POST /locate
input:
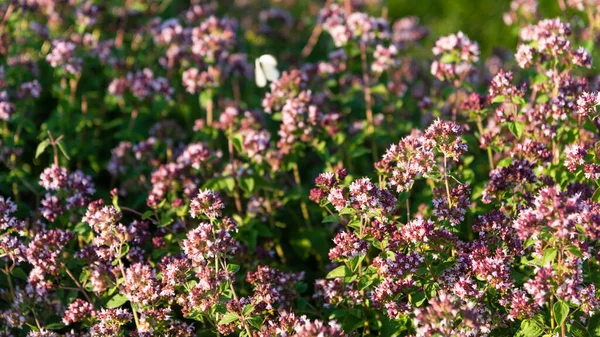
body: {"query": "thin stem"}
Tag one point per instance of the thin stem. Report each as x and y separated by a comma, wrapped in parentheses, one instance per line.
(87, 297)
(303, 205)
(209, 108)
(54, 143)
(312, 41)
(446, 181)
(73, 86)
(368, 102)
(131, 211)
(360, 270)
(10, 284)
(133, 308)
(490, 157)
(8, 12)
(134, 115)
(170, 63)
(15, 187)
(552, 312)
(427, 264)
(121, 31)
(592, 23)
(314, 36)
(234, 294)
(242, 318)
(69, 288)
(27, 184)
(217, 257)
(37, 322)
(236, 193)
(347, 7)
(489, 149)
(560, 262)
(360, 228)
(278, 247)
(237, 96)
(20, 127)
(554, 95)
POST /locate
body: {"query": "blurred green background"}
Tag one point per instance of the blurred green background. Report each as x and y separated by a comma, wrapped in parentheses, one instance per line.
(481, 20)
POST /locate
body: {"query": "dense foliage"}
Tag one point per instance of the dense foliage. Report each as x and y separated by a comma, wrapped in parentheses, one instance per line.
(386, 183)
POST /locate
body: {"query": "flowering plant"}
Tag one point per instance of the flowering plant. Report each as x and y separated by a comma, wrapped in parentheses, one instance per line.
(150, 188)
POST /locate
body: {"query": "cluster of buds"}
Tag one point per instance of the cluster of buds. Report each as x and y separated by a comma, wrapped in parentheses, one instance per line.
(455, 56)
(64, 191)
(142, 85)
(549, 40)
(345, 27)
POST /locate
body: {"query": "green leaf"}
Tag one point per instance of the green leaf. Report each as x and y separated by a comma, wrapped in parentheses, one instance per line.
(529, 328)
(248, 184)
(165, 220)
(41, 148)
(248, 309)
(350, 279)
(255, 321)
(277, 117)
(116, 301)
(356, 261)
(596, 196)
(379, 89)
(341, 271)
(577, 330)
(54, 326)
(517, 100)
(351, 323)
(539, 79)
(115, 202)
(19, 273)
(431, 289)
(561, 311)
(594, 326)
(364, 283)
(575, 251)
(124, 252)
(81, 228)
(549, 256)
(228, 318)
(516, 128)
(147, 214)
(331, 218)
(448, 58)
(359, 151)
(229, 183)
(542, 99)
(238, 142)
(346, 210)
(505, 162)
(233, 268)
(403, 196)
(499, 99)
(418, 298)
(62, 149)
(205, 96)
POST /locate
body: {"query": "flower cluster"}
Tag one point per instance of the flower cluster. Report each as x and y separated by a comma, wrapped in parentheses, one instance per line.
(551, 42)
(142, 85)
(64, 192)
(455, 57)
(152, 187)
